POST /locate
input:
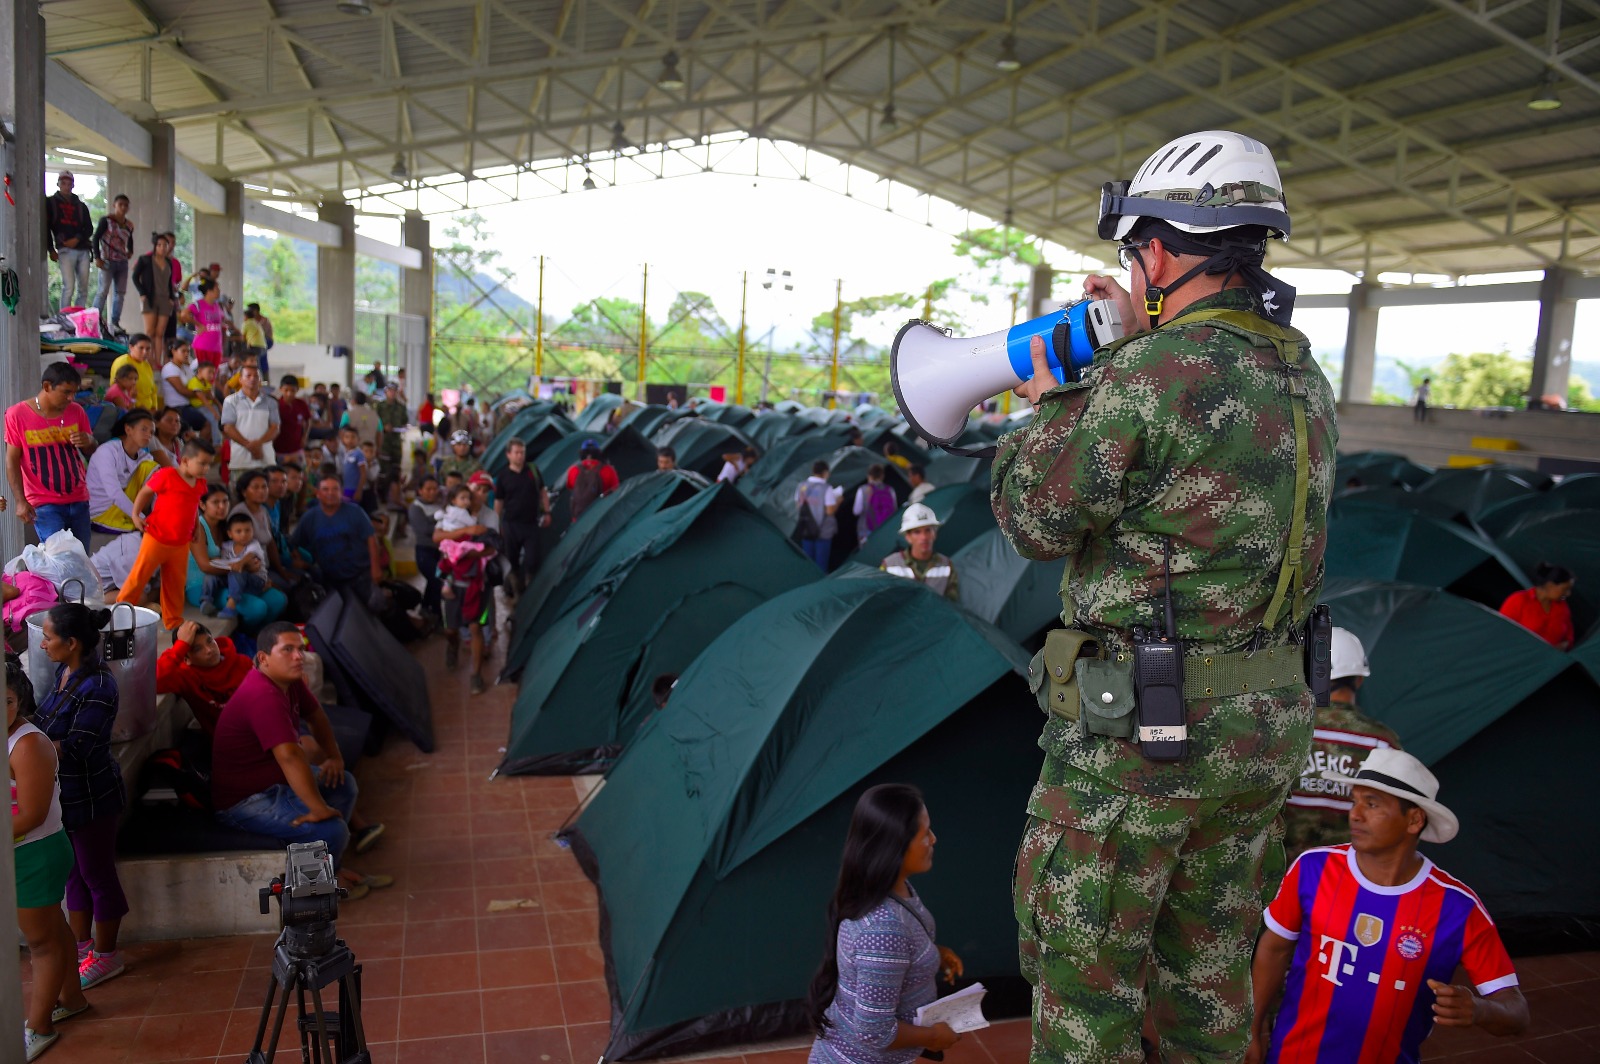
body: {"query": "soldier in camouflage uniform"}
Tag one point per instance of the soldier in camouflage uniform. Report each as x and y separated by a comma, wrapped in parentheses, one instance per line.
(394, 415)
(1318, 810)
(1139, 881)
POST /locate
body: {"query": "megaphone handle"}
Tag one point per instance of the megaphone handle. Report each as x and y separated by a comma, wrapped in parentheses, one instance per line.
(1061, 344)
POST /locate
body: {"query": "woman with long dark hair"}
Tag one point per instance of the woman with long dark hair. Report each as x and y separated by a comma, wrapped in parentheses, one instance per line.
(882, 961)
(152, 279)
(77, 715)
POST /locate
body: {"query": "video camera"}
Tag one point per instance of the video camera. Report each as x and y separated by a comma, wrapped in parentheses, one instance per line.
(308, 891)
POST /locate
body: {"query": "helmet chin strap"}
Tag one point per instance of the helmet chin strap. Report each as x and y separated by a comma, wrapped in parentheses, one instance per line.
(1232, 261)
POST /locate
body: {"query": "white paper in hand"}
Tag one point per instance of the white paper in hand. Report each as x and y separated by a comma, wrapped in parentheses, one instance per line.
(963, 1011)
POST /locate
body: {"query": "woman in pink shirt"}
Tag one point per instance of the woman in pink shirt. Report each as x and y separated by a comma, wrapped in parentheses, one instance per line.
(210, 323)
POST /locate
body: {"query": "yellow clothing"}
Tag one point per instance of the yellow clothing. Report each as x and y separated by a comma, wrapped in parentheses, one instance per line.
(900, 460)
(147, 393)
(254, 334)
(199, 388)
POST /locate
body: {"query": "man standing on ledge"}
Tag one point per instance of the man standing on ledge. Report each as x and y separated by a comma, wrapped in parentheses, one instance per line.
(1206, 436)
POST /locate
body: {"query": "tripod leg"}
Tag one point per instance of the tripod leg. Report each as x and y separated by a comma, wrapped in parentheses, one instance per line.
(324, 1036)
(273, 990)
(352, 1034)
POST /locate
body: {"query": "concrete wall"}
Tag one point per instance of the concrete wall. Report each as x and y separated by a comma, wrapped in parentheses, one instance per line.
(308, 361)
(1539, 434)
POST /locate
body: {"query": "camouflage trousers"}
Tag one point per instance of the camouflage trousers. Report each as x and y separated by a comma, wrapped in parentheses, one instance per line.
(1119, 894)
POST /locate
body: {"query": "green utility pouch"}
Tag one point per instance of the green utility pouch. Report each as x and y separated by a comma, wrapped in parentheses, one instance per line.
(1051, 673)
(1105, 695)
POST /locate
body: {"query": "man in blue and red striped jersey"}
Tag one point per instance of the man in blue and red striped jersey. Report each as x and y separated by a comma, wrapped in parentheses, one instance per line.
(1364, 939)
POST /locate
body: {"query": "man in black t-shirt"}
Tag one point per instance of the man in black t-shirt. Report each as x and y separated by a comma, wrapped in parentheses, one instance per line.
(523, 505)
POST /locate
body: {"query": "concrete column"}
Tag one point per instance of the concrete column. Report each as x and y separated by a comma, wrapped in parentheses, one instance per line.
(1552, 348)
(416, 297)
(150, 191)
(336, 287)
(1039, 290)
(219, 238)
(1360, 346)
(22, 250)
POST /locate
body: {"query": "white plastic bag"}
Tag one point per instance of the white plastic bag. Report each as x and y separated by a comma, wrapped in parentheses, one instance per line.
(61, 559)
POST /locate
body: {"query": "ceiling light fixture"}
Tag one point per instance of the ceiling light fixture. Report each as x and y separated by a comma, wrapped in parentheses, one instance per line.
(887, 123)
(619, 141)
(1007, 59)
(400, 171)
(355, 7)
(670, 78)
(588, 180)
(1544, 95)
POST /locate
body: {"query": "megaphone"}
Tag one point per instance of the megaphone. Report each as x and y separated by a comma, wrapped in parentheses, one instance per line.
(938, 378)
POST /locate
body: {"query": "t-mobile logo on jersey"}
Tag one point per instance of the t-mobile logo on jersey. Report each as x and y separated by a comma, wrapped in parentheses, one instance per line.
(1333, 953)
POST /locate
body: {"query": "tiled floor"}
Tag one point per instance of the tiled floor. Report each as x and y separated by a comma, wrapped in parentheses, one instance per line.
(449, 979)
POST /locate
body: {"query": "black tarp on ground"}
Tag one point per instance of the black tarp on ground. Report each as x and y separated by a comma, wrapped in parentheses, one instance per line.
(538, 427)
(370, 669)
(1017, 596)
(848, 470)
(724, 820)
(700, 444)
(1379, 542)
(560, 571)
(964, 514)
(1569, 538)
(661, 590)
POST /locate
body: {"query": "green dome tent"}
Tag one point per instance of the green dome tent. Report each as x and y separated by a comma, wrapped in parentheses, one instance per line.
(945, 468)
(1368, 542)
(1378, 469)
(786, 455)
(1017, 596)
(537, 428)
(1505, 721)
(964, 515)
(733, 414)
(625, 449)
(723, 822)
(768, 429)
(645, 420)
(661, 590)
(559, 572)
(1569, 538)
(1580, 491)
(1404, 499)
(592, 418)
(700, 444)
(1476, 489)
(848, 470)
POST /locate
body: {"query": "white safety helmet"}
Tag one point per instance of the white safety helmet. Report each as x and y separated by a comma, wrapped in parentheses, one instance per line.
(1200, 183)
(1347, 656)
(918, 516)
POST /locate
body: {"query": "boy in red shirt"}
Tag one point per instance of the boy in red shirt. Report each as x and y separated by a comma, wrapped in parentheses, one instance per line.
(173, 499)
(203, 670)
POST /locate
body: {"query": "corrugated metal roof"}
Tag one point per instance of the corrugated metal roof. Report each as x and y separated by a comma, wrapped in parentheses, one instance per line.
(1406, 119)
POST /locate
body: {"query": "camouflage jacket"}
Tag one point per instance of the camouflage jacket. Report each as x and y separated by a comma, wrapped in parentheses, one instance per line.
(1317, 812)
(1185, 433)
(394, 417)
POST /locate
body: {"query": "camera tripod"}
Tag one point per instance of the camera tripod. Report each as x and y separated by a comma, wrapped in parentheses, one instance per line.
(306, 960)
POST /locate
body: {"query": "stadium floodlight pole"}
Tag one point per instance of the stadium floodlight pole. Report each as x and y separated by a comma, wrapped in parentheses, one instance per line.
(644, 331)
(538, 330)
(838, 315)
(744, 298)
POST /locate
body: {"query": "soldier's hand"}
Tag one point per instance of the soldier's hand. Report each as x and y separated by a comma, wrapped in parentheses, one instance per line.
(1098, 286)
(941, 1037)
(1043, 378)
(1453, 1006)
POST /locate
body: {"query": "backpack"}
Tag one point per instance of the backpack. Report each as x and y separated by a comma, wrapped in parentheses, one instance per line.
(881, 505)
(585, 489)
(815, 521)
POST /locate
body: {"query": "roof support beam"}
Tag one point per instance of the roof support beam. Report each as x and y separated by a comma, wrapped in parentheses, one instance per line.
(71, 105)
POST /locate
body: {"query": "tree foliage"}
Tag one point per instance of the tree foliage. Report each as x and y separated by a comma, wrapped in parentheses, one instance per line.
(1483, 378)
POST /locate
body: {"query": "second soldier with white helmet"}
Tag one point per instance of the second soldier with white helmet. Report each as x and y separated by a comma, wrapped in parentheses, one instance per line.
(919, 561)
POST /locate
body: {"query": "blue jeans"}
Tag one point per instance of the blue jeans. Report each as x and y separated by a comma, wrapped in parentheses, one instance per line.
(818, 550)
(274, 810)
(242, 584)
(113, 282)
(74, 266)
(52, 517)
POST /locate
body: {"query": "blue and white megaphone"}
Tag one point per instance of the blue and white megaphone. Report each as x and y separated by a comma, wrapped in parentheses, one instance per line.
(939, 378)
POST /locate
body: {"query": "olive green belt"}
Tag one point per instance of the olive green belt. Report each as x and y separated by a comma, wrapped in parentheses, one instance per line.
(1225, 675)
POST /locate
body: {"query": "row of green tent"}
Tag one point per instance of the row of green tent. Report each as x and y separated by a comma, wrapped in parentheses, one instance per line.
(1479, 533)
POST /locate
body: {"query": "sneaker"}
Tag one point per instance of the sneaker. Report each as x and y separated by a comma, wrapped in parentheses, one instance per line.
(452, 655)
(85, 950)
(99, 968)
(37, 1043)
(61, 1013)
(208, 608)
(366, 838)
(478, 686)
(227, 613)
